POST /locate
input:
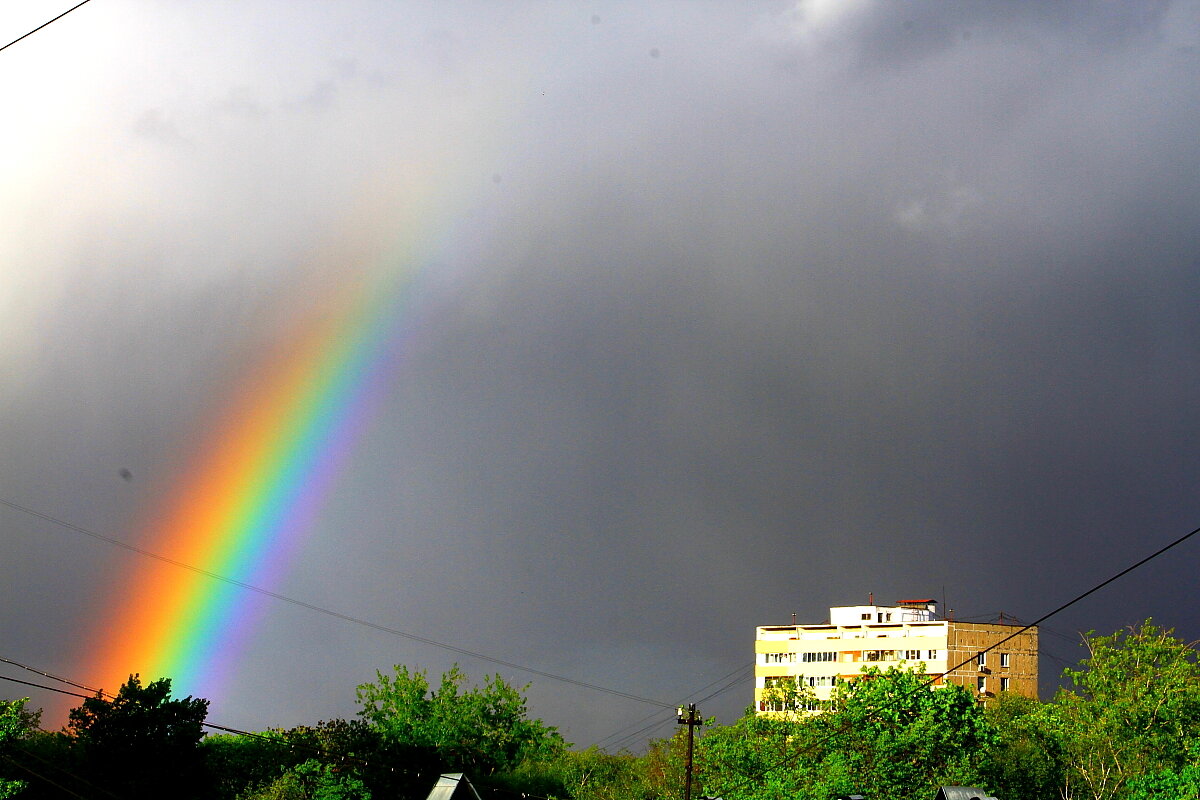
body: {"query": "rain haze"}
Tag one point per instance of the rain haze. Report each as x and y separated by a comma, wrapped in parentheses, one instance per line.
(711, 313)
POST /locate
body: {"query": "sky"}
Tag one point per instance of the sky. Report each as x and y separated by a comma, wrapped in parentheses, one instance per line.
(687, 317)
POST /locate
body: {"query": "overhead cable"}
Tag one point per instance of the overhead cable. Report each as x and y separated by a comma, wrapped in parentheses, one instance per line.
(877, 711)
(44, 24)
(330, 612)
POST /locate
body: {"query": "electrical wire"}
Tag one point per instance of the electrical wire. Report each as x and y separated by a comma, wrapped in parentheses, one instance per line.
(324, 754)
(55, 784)
(330, 612)
(44, 24)
(845, 727)
(4, 660)
(599, 742)
(735, 682)
(623, 740)
(643, 732)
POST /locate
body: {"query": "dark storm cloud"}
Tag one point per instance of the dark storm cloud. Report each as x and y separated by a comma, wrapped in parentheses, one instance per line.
(898, 34)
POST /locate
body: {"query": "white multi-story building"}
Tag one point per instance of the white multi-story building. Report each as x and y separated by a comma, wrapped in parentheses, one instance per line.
(818, 657)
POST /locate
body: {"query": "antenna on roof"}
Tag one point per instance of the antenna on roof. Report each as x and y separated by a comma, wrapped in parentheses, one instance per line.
(870, 598)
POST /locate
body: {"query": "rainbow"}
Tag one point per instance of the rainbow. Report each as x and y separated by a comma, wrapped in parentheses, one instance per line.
(260, 477)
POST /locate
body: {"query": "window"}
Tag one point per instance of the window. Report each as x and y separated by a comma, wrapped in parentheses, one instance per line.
(932, 655)
(1004, 660)
(779, 658)
(1004, 684)
(981, 684)
(817, 705)
(809, 657)
(981, 660)
(776, 681)
(866, 617)
(776, 705)
(818, 681)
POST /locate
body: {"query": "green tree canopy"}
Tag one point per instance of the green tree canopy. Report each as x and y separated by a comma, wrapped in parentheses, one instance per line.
(478, 729)
(142, 743)
(1133, 709)
(1027, 759)
(312, 779)
(887, 735)
(16, 726)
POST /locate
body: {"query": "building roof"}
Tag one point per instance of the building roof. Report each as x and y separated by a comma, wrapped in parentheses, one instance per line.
(453, 786)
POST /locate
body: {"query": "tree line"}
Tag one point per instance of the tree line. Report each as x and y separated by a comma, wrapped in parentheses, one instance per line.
(1126, 726)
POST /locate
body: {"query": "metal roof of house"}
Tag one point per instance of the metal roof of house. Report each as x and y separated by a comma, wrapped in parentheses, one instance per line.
(453, 786)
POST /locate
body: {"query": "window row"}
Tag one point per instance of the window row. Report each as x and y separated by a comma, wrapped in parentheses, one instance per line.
(795, 705)
(867, 655)
(981, 659)
(903, 655)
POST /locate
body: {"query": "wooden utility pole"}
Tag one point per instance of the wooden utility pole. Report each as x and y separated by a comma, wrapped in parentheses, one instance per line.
(691, 718)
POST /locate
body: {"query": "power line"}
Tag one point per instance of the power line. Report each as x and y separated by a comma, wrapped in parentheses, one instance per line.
(44, 686)
(44, 24)
(686, 698)
(924, 686)
(47, 674)
(55, 784)
(645, 730)
(621, 741)
(736, 681)
(329, 612)
(280, 741)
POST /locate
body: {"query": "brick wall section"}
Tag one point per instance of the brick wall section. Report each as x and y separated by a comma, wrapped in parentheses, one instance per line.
(968, 638)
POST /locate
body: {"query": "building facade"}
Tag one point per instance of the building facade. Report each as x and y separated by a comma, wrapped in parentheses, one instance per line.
(909, 633)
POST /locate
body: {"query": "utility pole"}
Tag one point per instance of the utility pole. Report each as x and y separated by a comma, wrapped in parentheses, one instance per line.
(691, 718)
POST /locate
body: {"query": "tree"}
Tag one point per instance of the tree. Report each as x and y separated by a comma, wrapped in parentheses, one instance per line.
(16, 725)
(887, 734)
(142, 743)
(761, 757)
(590, 774)
(1133, 709)
(1169, 784)
(1027, 760)
(236, 763)
(891, 734)
(481, 729)
(312, 780)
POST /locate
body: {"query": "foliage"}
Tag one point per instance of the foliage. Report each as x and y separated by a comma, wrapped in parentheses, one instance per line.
(590, 774)
(1169, 784)
(1027, 759)
(892, 735)
(142, 743)
(887, 735)
(481, 729)
(236, 762)
(16, 725)
(758, 757)
(1134, 705)
(312, 780)
(246, 765)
